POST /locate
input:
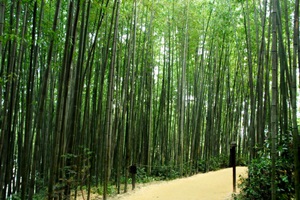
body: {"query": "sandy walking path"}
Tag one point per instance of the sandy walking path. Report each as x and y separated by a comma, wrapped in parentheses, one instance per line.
(208, 186)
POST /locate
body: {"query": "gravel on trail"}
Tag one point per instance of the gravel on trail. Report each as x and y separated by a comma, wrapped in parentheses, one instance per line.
(217, 185)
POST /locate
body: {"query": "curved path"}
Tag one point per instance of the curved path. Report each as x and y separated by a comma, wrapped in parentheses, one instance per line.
(208, 186)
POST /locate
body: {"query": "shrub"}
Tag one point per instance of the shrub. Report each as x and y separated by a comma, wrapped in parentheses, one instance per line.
(258, 183)
(213, 163)
(142, 177)
(165, 172)
(110, 190)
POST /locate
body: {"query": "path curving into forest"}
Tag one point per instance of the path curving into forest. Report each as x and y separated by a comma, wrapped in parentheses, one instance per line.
(208, 186)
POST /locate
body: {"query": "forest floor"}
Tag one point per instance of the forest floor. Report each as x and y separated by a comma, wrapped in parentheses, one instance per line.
(215, 185)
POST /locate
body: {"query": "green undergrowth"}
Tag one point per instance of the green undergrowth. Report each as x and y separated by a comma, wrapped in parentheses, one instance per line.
(170, 172)
(158, 173)
(258, 183)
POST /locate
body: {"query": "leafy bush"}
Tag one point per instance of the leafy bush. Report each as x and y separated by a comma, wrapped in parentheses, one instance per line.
(165, 172)
(142, 177)
(213, 163)
(258, 184)
(201, 166)
(241, 161)
(111, 189)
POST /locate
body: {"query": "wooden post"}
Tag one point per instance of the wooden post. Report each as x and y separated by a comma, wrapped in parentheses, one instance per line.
(233, 163)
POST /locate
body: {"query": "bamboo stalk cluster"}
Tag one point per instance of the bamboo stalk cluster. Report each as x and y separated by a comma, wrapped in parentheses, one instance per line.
(89, 88)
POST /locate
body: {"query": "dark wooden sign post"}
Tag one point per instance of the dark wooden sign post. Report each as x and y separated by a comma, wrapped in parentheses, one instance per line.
(233, 163)
(133, 171)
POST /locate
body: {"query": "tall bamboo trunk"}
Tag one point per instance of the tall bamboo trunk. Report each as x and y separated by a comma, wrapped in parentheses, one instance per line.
(274, 123)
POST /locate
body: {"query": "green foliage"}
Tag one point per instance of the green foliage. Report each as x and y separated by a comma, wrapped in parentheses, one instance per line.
(213, 163)
(166, 172)
(41, 195)
(142, 177)
(241, 161)
(77, 172)
(15, 197)
(169, 172)
(258, 184)
(111, 189)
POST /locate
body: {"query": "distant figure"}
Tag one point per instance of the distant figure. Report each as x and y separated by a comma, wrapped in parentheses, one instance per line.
(133, 171)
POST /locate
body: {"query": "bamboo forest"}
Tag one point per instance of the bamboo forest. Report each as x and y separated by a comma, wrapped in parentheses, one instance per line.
(92, 87)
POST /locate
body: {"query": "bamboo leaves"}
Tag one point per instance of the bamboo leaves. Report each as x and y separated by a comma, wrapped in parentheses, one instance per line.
(157, 84)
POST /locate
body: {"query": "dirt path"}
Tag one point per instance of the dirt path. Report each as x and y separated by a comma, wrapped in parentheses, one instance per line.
(209, 186)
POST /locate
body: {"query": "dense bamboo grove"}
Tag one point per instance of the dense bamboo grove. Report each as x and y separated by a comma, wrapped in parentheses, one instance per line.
(90, 87)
